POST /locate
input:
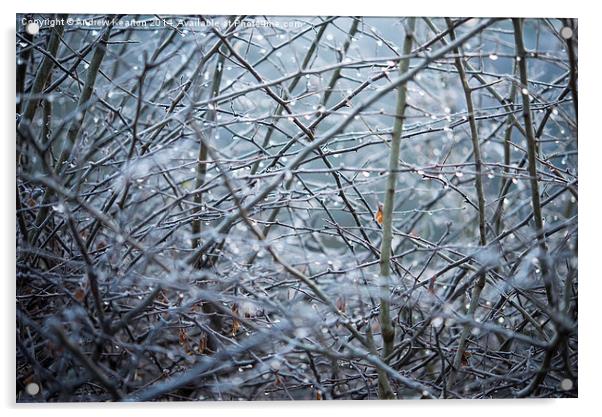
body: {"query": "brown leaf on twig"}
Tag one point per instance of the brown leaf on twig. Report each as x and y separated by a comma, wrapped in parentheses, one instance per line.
(379, 214)
(235, 322)
(465, 357)
(80, 294)
(203, 343)
(183, 339)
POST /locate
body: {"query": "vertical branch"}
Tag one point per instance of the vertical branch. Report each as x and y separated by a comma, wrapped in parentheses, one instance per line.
(201, 167)
(92, 276)
(505, 182)
(23, 57)
(86, 95)
(40, 80)
(387, 329)
(521, 57)
(208, 307)
(74, 128)
(474, 135)
(44, 70)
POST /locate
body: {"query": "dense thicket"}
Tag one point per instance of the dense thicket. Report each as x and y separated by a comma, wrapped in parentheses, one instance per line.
(254, 208)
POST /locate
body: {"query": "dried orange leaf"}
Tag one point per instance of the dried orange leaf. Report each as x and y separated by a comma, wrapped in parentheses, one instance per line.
(80, 294)
(379, 214)
(183, 336)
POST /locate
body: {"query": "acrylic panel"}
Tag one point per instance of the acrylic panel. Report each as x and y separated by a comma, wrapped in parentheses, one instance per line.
(228, 208)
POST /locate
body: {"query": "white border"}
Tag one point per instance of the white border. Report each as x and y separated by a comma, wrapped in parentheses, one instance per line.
(590, 154)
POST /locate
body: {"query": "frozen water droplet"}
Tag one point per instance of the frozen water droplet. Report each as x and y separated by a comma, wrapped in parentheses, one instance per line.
(59, 208)
(275, 364)
(437, 322)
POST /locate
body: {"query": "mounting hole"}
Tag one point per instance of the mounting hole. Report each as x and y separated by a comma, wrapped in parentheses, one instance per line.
(32, 28)
(566, 32)
(32, 389)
